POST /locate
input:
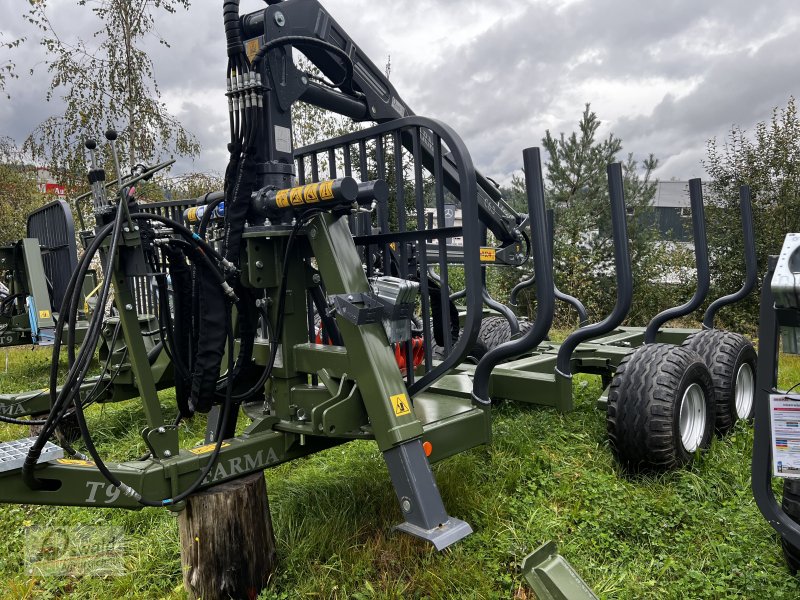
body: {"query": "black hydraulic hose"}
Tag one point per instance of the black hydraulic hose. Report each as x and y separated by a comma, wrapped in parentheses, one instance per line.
(129, 491)
(622, 264)
(11, 421)
(751, 268)
(267, 372)
(301, 40)
(187, 233)
(701, 264)
(543, 266)
(59, 401)
(210, 207)
(233, 28)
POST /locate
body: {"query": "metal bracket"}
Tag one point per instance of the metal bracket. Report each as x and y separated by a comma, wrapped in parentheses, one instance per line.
(161, 441)
(552, 577)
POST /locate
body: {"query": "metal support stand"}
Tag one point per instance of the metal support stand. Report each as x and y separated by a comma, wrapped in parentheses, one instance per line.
(419, 497)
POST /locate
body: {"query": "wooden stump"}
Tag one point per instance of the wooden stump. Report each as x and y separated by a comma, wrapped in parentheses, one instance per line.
(68, 426)
(227, 542)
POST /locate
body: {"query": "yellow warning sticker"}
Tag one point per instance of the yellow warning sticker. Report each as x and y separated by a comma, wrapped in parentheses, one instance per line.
(326, 190)
(310, 193)
(191, 215)
(44, 314)
(296, 196)
(207, 448)
(282, 198)
(73, 462)
(488, 255)
(252, 47)
(400, 404)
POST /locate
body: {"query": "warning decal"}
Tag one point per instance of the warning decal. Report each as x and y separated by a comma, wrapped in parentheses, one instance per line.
(488, 254)
(251, 47)
(44, 314)
(297, 196)
(207, 448)
(310, 193)
(72, 462)
(326, 190)
(282, 198)
(400, 404)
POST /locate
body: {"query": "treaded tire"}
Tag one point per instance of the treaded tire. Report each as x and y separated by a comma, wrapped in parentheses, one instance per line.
(644, 407)
(725, 354)
(496, 331)
(791, 506)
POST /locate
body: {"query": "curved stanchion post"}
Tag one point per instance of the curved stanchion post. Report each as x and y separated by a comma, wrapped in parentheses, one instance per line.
(622, 264)
(751, 268)
(455, 295)
(522, 285)
(701, 263)
(583, 316)
(767, 380)
(458, 295)
(504, 310)
(543, 265)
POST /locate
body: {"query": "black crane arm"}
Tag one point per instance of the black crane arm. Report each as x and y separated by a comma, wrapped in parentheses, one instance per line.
(360, 91)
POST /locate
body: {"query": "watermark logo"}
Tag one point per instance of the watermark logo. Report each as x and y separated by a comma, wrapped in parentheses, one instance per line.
(75, 550)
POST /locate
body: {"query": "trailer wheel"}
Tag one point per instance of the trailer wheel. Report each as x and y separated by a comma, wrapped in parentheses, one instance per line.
(731, 359)
(496, 331)
(660, 408)
(791, 506)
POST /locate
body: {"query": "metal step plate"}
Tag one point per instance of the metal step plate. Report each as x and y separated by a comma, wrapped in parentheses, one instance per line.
(12, 454)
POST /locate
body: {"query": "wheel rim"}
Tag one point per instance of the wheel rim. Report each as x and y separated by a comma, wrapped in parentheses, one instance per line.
(745, 391)
(693, 417)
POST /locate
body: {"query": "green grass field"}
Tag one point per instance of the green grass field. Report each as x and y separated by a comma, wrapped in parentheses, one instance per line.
(693, 533)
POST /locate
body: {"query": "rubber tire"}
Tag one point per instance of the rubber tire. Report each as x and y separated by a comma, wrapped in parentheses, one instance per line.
(643, 411)
(791, 506)
(724, 352)
(495, 331)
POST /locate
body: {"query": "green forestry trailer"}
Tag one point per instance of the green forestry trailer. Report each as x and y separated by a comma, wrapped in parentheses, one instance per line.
(315, 336)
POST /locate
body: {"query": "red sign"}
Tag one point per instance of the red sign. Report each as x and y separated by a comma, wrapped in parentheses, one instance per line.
(55, 188)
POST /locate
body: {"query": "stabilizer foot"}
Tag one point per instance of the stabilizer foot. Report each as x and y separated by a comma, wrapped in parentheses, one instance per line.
(419, 497)
(441, 537)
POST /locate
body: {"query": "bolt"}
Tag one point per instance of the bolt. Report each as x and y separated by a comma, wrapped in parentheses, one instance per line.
(126, 229)
(350, 298)
(167, 453)
(129, 307)
(136, 228)
(313, 233)
(374, 110)
(316, 278)
(280, 20)
(304, 80)
(259, 264)
(406, 505)
(161, 430)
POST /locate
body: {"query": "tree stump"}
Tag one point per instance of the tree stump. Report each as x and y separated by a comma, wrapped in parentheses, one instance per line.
(227, 542)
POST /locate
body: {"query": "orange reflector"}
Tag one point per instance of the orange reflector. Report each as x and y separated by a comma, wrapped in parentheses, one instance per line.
(427, 447)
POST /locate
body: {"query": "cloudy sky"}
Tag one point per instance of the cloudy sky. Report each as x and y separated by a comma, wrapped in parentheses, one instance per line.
(663, 76)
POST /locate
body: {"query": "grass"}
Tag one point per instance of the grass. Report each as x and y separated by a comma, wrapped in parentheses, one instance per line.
(694, 533)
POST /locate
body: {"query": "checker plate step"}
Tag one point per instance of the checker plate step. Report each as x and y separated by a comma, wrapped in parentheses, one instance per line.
(12, 454)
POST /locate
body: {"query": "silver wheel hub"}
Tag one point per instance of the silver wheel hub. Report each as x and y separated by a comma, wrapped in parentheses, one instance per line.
(693, 417)
(744, 392)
